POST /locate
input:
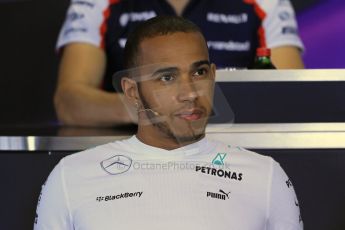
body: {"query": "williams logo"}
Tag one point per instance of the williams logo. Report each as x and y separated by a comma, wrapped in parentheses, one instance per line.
(221, 195)
(117, 164)
(219, 159)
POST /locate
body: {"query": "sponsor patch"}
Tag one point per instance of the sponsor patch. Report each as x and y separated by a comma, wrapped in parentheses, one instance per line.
(221, 195)
(135, 17)
(75, 16)
(119, 196)
(219, 172)
(219, 159)
(74, 30)
(284, 15)
(289, 30)
(117, 164)
(229, 45)
(227, 18)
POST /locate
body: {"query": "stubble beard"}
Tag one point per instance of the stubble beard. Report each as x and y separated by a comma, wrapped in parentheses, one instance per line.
(164, 128)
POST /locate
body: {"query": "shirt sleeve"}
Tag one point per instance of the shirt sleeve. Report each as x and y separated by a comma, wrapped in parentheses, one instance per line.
(53, 208)
(283, 208)
(85, 22)
(280, 25)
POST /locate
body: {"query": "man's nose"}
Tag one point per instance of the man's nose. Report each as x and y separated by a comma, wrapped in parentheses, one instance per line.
(187, 91)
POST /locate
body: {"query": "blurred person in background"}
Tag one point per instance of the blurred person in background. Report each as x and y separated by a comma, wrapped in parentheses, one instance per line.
(169, 175)
(94, 34)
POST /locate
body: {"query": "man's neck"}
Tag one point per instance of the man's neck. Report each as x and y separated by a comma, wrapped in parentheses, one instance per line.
(160, 140)
(178, 5)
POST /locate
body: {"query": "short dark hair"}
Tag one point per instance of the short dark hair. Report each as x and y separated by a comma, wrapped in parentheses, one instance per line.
(157, 26)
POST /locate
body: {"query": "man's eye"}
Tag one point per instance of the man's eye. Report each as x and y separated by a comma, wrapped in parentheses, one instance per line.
(167, 77)
(200, 72)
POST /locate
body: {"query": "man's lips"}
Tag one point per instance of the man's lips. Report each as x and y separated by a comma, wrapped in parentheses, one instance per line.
(190, 115)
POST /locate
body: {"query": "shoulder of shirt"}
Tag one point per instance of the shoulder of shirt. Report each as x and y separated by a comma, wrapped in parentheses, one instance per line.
(270, 6)
(101, 4)
(90, 3)
(268, 2)
(95, 154)
(258, 158)
(88, 163)
(244, 154)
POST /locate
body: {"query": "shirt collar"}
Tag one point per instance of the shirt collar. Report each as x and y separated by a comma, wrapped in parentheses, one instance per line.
(198, 147)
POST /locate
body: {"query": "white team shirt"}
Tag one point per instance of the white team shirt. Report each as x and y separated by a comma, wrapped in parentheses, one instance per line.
(130, 185)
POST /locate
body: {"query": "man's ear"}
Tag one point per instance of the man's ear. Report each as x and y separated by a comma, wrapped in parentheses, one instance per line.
(130, 90)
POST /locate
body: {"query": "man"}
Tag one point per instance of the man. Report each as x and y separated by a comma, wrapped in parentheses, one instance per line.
(168, 175)
(93, 36)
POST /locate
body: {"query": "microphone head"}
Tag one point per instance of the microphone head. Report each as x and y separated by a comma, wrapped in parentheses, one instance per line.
(152, 111)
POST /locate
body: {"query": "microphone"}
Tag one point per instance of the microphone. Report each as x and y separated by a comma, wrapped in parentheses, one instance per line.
(142, 110)
(154, 112)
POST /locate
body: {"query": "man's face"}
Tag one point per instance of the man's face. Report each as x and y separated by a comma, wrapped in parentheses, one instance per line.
(179, 86)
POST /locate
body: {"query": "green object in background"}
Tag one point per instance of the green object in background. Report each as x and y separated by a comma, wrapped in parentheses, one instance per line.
(263, 59)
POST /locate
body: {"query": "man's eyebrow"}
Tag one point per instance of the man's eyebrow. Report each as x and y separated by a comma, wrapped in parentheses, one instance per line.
(165, 70)
(175, 69)
(199, 63)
